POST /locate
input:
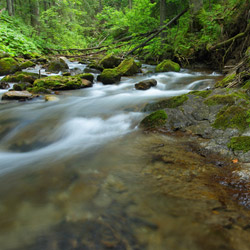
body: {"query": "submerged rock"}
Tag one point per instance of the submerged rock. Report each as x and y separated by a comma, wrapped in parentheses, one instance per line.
(167, 65)
(17, 95)
(147, 84)
(8, 65)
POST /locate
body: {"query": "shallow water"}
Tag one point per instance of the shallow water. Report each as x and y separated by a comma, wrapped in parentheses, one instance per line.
(79, 174)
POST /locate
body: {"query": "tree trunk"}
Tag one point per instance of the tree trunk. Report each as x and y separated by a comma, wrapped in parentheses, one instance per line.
(163, 11)
(34, 7)
(10, 7)
(130, 4)
(195, 7)
(100, 5)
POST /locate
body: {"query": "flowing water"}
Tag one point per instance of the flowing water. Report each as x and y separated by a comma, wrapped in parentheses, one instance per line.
(77, 173)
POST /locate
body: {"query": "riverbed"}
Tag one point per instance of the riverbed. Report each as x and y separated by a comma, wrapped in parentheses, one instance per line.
(78, 173)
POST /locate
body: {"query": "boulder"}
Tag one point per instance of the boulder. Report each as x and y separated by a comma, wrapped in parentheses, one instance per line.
(109, 76)
(128, 67)
(167, 65)
(86, 76)
(21, 77)
(4, 85)
(86, 83)
(57, 65)
(17, 95)
(59, 83)
(8, 65)
(110, 61)
(27, 64)
(75, 71)
(22, 86)
(147, 84)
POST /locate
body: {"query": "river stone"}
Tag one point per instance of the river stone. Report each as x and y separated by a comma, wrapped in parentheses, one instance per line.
(110, 61)
(86, 83)
(51, 98)
(4, 85)
(17, 95)
(57, 65)
(146, 84)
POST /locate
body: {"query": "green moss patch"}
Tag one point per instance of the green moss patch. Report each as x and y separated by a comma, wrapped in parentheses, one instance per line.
(154, 120)
(59, 83)
(224, 83)
(232, 117)
(21, 77)
(27, 64)
(128, 67)
(246, 85)
(110, 61)
(203, 93)
(8, 65)
(39, 90)
(241, 143)
(167, 65)
(86, 76)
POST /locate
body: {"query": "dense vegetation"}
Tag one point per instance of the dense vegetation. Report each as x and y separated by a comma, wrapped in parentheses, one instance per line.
(35, 25)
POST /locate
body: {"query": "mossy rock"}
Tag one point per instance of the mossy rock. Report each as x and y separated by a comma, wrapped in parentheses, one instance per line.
(168, 65)
(27, 64)
(95, 65)
(172, 102)
(128, 67)
(59, 83)
(3, 55)
(227, 99)
(39, 90)
(57, 66)
(241, 143)
(8, 65)
(109, 76)
(225, 82)
(21, 77)
(202, 93)
(233, 117)
(22, 86)
(154, 120)
(86, 76)
(110, 61)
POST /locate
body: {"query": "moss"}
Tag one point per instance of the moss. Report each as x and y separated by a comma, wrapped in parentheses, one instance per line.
(109, 62)
(203, 93)
(21, 86)
(241, 143)
(167, 65)
(27, 64)
(228, 99)
(154, 120)
(128, 67)
(59, 83)
(86, 76)
(21, 77)
(8, 65)
(95, 65)
(232, 117)
(224, 83)
(172, 102)
(39, 90)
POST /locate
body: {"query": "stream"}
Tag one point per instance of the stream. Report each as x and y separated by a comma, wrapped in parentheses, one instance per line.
(78, 173)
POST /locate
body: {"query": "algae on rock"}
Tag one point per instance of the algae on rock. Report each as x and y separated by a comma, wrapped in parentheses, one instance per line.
(240, 143)
(154, 120)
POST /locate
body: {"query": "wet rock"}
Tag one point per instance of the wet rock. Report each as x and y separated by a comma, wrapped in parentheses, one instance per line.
(87, 76)
(51, 98)
(8, 65)
(4, 85)
(91, 70)
(57, 65)
(17, 95)
(167, 65)
(66, 74)
(75, 71)
(128, 67)
(86, 83)
(154, 120)
(147, 84)
(22, 86)
(109, 76)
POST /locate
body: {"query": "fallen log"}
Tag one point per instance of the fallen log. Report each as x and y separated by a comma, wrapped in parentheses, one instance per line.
(157, 33)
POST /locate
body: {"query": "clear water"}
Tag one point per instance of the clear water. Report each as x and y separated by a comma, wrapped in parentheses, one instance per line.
(77, 173)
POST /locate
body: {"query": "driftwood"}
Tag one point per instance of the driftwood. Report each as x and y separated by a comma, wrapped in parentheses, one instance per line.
(157, 33)
(232, 39)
